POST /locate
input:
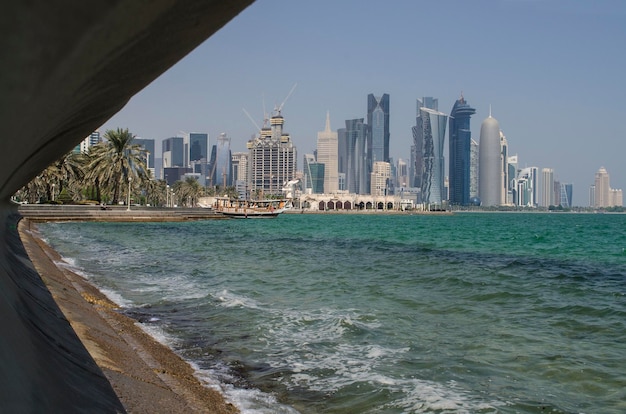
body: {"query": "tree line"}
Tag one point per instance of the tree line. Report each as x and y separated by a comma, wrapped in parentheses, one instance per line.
(108, 173)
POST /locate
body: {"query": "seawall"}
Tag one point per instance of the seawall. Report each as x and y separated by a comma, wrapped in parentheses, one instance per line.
(44, 363)
(146, 376)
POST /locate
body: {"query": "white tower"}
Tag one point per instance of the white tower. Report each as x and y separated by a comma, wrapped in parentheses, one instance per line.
(547, 190)
(328, 154)
(490, 164)
(603, 188)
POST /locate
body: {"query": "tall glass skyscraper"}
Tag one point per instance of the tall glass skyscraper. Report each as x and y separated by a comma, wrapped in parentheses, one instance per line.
(459, 152)
(172, 152)
(198, 144)
(147, 146)
(198, 152)
(568, 191)
(357, 168)
(378, 122)
(223, 161)
(433, 126)
(313, 175)
(418, 139)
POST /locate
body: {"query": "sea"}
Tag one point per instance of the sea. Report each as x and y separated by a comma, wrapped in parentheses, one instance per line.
(378, 313)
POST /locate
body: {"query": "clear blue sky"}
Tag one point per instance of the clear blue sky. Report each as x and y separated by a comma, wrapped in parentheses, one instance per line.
(553, 72)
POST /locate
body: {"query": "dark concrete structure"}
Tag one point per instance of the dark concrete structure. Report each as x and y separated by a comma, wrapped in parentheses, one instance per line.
(67, 66)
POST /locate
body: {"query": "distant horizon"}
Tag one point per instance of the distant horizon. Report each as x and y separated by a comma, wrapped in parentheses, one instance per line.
(530, 61)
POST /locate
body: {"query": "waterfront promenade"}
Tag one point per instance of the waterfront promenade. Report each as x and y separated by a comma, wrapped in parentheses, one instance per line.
(47, 212)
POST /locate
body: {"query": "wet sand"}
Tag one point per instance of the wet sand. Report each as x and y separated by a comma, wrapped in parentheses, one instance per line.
(147, 376)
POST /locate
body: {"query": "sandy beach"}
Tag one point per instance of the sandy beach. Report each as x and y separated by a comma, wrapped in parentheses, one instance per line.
(147, 376)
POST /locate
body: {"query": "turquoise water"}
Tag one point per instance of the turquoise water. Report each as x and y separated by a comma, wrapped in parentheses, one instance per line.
(470, 313)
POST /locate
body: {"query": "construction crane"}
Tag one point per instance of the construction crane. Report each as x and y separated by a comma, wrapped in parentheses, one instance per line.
(277, 110)
(251, 119)
(280, 107)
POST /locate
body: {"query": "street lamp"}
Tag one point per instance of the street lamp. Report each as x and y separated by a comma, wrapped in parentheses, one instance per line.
(129, 180)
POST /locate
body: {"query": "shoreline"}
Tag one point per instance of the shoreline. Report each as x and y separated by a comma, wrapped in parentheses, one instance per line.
(147, 376)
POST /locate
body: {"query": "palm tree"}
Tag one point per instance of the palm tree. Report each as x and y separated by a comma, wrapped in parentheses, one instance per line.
(231, 192)
(71, 170)
(155, 192)
(115, 161)
(65, 174)
(49, 181)
(188, 191)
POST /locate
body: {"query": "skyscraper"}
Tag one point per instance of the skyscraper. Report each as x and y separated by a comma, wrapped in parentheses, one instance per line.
(313, 175)
(592, 195)
(381, 174)
(172, 152)
(378, 122)
(272, 160)
(490, 164)
(328, 155)
(526, 191)
(473, 190)
(567, 192)
(433, 131)
(239, 166)
(223, 161)
(459, 151)
(418, 139)
(511, 163)
(198, 145)
(147, 146)
(402, 173)
(342, 154)
(198, 152)
(504, 168)
(93, 139)
(616, 198)
(603, 188)
(547, 189)
(239, 173)
(357, 168)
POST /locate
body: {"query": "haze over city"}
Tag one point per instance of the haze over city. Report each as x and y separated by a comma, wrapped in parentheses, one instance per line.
(552, 72)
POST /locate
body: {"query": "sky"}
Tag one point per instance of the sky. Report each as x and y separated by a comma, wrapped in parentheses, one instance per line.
(552, 71)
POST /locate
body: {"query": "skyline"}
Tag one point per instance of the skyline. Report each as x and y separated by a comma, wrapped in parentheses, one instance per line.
(551, 71)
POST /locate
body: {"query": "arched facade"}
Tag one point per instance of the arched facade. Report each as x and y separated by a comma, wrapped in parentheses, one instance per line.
(349, 202)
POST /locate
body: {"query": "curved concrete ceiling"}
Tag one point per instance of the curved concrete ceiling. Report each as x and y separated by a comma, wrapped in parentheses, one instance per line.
(68, 66)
